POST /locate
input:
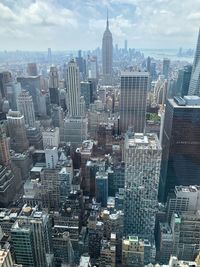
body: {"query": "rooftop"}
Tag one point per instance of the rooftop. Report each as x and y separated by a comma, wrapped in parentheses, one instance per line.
(142, 141)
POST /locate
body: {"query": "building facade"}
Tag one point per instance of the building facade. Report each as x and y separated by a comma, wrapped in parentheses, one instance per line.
(134, 86)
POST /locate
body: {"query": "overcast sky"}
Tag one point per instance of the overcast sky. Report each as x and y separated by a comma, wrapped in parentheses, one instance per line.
(79, 24)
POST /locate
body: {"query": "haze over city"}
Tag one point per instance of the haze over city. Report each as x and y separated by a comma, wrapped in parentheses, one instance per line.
(78, 24)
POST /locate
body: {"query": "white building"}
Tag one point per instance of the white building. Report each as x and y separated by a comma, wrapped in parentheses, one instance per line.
(75, 130)
(73, 89)
(51, 137)
(51, 157)
(26, 108)
(142, 155)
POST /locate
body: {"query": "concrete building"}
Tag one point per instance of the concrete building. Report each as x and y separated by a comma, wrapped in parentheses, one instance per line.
(6, 259)
(166, 67)
(184, 198)
(32, 69)
(107, 55)
(4, 147)
(181, 145)
(142, 154)
(17, 131)
(53, 85)
(132, 252)
(50, 188)
(92, 68)
(51, 137)
(108, 253)
(133, 101)
(75, 130)
(165, 240)
(32, 84)
(186, 234)
(73, 89)
(26, 108)
(51, 157)
(8, 185)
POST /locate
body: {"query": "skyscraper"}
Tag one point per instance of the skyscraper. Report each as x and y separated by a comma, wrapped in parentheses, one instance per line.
(133, 98)
(32, 84)
(73, 89)
(4, 148)
(142, 169)
(183, 81)
(26, 108)
(181, 144)
(194, 88)
(32, 69)
(107, 55)
(166, 65)
(31, 239)
(53, 85)
(17, 131)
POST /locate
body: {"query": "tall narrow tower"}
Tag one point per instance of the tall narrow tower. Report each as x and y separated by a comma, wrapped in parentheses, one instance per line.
(26, 108)
(194, 88)
(73, 89)
(107, 55)
(53, 85)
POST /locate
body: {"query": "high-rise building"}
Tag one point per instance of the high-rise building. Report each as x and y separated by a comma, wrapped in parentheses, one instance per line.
(6, 258)
(134, 86)
(92, 69)
(5, 78)
(73, 89)
(184, 198)
(102, 187)
(166, 65)
(75, 130)
(86, 91)
(49, 55)
(183, 80)
(4, 148)
(32, 84)
(185, 228)
(51, 137)
(149, 64)
(53, 85)
(32, 69)
(7, 186)
(81, 64)
(26, 108)
(51, 157)
(194, 88)
(107, 55)
(181, 144)
(132, 252)
(17, 131)
(142, 169)
(125, 45)
(31, 238)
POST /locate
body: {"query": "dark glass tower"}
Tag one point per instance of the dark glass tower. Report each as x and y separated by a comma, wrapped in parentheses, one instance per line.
(181, 144)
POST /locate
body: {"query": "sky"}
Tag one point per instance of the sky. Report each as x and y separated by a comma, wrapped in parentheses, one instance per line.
(79, 24)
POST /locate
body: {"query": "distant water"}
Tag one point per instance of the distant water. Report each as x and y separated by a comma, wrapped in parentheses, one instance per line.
(166, 53)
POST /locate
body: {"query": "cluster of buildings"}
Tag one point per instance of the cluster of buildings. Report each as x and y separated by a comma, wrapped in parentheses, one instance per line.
(97, 168)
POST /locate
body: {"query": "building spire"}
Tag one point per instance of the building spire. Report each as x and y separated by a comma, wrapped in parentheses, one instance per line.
(107, 24)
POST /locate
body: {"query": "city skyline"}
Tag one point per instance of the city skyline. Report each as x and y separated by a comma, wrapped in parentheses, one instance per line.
(140, 22)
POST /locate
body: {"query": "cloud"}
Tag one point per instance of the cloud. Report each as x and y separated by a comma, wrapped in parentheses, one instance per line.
(62, 24)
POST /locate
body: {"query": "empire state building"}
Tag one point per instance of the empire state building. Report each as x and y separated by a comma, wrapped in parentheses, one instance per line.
(107, 55)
